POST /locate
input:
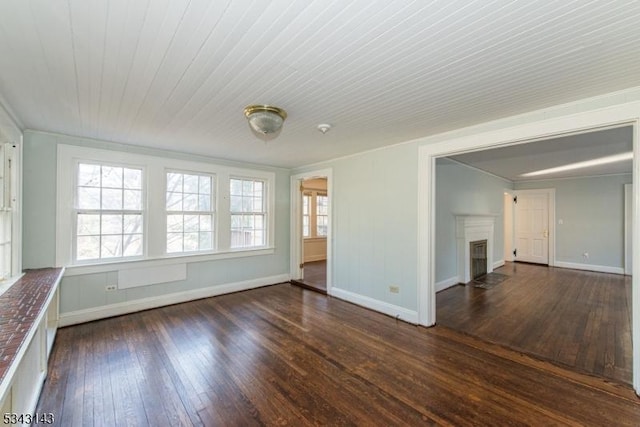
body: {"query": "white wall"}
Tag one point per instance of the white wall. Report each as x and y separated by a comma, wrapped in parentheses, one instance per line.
(592, 214)
(374, 228)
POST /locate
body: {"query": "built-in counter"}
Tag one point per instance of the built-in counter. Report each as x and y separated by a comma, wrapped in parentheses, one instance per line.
(28, 322)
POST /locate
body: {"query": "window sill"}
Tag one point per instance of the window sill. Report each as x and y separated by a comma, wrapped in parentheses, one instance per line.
(76, 270)
(6, 284)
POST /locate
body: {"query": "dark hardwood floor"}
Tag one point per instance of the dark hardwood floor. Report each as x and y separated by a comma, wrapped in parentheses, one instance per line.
(282, 355)
(315, 276)
(576, 318)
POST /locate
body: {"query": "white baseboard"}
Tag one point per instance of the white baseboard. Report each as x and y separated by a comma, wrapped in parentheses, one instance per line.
(590, 267)
(498, 264)
(102, 312)
(401, 313)
(447, 283)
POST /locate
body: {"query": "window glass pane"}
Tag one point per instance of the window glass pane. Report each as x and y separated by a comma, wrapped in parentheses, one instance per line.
(206, 240)
(191, 184)
(205, 185)
(112, 177)
(247, 188)
(174, 182)
(174, 201)
(175, 223)
(247, 204)
(88, 175)
(191, 241)
(132, 245)
(191, 222)
(190, 202)
(88, 247)
(133, 178)
(111, 246)
(111, 199)
(236, 187)
(88, 224)
(132, 224)
(111, 224)
(204, 203)
(257, 188)
(206, 222)
(132, 200)
(174, 242)
(88, 198)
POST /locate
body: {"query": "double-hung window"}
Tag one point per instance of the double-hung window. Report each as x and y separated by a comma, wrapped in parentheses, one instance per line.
(124, 207)
(109, 215)
(248, 212)
(190, 205)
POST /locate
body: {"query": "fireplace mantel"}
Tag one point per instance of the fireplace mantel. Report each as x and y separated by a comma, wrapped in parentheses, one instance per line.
(469, 228)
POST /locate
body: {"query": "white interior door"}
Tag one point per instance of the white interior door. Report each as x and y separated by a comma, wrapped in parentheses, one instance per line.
(532, 227)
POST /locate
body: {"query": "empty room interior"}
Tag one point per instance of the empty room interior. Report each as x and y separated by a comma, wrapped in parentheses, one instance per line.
(314, 213)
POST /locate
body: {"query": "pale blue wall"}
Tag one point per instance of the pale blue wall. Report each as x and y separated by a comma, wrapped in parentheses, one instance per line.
(88, 291)
(464, 190)
(375, 204)
(592, 212)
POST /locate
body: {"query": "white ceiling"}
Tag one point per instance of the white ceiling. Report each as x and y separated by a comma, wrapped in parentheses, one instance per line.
(513, 161)
(177, 74)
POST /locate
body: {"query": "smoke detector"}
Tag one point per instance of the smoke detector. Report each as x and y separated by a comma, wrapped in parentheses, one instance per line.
(324, 128)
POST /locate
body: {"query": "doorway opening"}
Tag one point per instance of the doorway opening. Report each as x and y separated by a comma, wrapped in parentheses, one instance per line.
(536, 250)
(311, 231)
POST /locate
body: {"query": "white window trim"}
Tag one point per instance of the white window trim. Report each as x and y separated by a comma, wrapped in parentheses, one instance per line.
(154, 199)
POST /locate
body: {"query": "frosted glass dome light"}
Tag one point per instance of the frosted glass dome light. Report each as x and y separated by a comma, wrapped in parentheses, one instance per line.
(265, 119)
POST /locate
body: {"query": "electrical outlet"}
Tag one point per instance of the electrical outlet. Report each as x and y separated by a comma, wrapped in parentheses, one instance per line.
(394, 289)
(586, 255)
(110, 288)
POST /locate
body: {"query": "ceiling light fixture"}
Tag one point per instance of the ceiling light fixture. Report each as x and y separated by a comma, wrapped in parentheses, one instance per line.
(265, 120)
(586, 164)
(324, 128)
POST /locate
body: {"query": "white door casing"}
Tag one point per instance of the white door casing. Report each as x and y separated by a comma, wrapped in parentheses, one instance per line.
(628, 229)
(532, 226)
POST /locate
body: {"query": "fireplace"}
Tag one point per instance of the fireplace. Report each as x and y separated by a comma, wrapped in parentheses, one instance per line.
(473, 228)
(478, 260)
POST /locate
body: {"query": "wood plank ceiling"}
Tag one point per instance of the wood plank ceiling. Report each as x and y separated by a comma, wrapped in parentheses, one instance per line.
(177, 74)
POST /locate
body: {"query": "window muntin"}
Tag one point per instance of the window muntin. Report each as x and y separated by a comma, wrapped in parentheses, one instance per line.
(190, 206)
(247, 199)
(109, 217)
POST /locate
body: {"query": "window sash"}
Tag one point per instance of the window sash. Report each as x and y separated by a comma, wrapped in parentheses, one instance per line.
(119, 242)
(247, 207)
(195, 232)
